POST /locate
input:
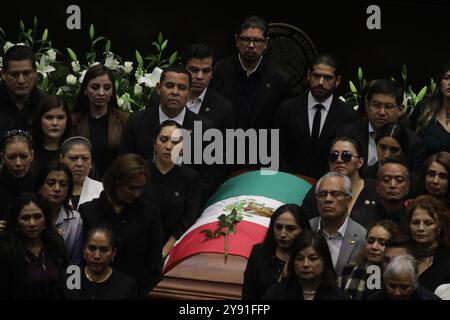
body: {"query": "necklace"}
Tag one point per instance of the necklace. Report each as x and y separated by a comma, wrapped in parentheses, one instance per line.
(309, 292)
(43, 261)
(103, 279)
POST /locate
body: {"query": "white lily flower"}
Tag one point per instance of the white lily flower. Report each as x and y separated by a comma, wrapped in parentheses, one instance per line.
(7, 46)
(120, 102)
(342, 98)
(75, 66)
(51, 55)
(94, 64)
(128, 67)
(1, 62)
(71, 79)
(151, 79)
(137, 89)
(80, 79)
(44, 68)
(110, 62)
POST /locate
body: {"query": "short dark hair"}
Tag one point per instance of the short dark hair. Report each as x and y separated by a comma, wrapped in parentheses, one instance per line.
(299, 215)
(385, 86)
(401, 241)
(326, 59)
(393, 160)
(176, 69)
(104, 228)
(18, 53)
(196, 51)
(254, 22)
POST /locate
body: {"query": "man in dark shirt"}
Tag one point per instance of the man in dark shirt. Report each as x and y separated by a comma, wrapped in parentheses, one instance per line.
(19, 96)
(392, 187)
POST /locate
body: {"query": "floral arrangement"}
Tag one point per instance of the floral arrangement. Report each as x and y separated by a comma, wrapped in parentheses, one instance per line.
(61, 74)
(410, 101)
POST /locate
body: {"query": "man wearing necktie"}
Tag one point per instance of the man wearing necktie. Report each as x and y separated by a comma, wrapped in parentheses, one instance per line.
(308, 122)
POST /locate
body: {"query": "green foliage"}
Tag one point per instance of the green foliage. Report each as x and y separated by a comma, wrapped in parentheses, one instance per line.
(61, 72)
(411, 98)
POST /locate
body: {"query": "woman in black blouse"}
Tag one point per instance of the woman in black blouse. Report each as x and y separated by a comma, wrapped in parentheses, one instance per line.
(98, 280)
(175, 188)
(52, 125)
(267, 263)
(345, 157)
(311, 275)
(429, 227)
(33, 256)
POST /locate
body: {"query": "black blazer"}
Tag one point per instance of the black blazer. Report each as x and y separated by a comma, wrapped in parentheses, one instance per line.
(139, 237)
(295, 140)
(438, 273)
(217, 109)
(416, 147)
(272, 88)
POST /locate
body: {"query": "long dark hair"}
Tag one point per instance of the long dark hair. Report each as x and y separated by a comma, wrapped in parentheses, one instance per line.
(299, 215)
(320, 245)
(49, 235)
(47, 104)
(435, 104)
(443, 158)
(82, 104)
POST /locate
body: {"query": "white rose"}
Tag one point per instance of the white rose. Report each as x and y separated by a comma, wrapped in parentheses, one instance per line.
(51, 54)
(75, 66)
(71, 79)
(120, 102)
(128, 67)
(137, 89)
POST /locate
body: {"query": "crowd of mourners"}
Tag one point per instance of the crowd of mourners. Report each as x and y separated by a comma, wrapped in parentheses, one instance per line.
(99, 188)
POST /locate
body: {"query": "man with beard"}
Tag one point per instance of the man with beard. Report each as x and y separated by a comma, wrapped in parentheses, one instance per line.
(254, 85)
(19, 95)
(392, 187)
(308, 123)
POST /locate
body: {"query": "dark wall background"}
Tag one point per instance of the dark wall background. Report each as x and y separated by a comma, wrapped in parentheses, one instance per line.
(413, 33)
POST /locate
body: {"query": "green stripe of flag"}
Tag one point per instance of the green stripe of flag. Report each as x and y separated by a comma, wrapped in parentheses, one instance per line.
(282, 186)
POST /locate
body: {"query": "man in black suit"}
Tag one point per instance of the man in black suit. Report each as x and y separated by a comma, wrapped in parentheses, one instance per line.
(254, 86)
(308, 122)
(19, 95)
(203, 100)
(383, 103)
(143, 126)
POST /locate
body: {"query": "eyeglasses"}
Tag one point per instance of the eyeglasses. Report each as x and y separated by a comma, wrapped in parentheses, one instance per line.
(338, 195)
(257, 42)
(377, 106)
(346, 156)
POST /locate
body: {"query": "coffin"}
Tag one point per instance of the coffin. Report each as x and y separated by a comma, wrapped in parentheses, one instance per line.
(196, 268)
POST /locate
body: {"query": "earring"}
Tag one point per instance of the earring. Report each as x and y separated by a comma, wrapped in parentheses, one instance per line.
(154, 156)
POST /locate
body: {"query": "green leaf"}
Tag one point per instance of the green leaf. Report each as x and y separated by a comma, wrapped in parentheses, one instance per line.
(173, 57)
(233, 228)
(157, 46)
(91, 31)
(21, 25)
(164, 44)
(404, 72)
(35, 22)
(207, 233)
(45, 35)
(44, 84)
(160, 38)
(72, 54)
(360, 74)
(421, 94)
(139, 59)
(98, 39)
(364, 84)
(108, 46)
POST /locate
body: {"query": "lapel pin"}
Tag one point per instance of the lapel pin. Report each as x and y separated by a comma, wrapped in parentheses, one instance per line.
(367, 202)
(373, 202)
(268, 85)
(352, 242)
(207, 109)
(176, 193)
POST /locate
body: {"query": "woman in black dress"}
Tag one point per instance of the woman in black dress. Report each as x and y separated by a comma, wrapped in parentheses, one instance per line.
(175, 188)
(98, 280)
(33, 257)
(267, 263)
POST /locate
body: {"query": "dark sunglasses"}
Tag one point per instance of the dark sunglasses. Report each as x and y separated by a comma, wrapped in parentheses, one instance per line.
(346, 156)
